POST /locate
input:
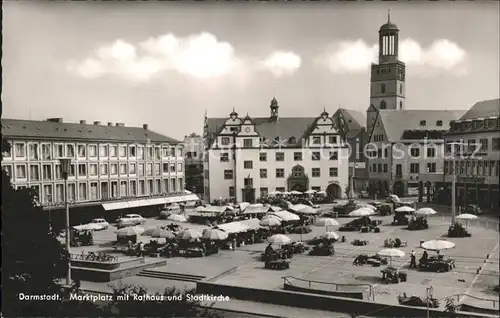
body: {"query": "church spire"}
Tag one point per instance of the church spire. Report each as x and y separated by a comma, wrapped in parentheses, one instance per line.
(388, 15)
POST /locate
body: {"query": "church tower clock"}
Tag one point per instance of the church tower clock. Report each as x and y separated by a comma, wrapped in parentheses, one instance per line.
(387, 83)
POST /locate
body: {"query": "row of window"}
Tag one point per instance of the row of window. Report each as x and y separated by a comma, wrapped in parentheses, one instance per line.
(414, 168)
(249, 143)
(46, 151)
(481, 145)
(383, 88)
(415, 153)
(32, 172)
(91, 191)
(265, 191)
(280, 157)
(280, 173)
(477, 124)
(473, 167)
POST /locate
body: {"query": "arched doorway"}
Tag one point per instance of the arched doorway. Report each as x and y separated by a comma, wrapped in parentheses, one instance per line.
(297, 180)
(399, 188)
(333, 191)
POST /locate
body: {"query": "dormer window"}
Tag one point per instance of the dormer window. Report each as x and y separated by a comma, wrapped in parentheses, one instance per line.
(423, 123)
(292, 140)
(439, 123)
(277, 139)
(233, 129)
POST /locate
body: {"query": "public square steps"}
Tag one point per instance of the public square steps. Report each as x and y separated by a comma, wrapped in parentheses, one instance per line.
(171, 276)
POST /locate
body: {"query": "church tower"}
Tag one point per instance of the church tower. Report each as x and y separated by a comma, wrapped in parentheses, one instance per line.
(387, 83)
(274, 109)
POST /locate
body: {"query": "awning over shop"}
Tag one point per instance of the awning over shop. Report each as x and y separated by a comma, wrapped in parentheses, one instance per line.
(147, 202)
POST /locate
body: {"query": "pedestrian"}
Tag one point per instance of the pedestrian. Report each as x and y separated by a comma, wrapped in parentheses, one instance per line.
(234, 244)
(130, 246)
(413, 262)
(141, 249)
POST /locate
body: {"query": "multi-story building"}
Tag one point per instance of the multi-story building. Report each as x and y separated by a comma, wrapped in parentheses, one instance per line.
(247, 158)
(475, 156)
(351, 123)
(194, 149)
(405, 144)
(113, 167)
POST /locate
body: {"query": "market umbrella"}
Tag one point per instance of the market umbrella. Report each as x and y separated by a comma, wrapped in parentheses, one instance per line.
(467, 217)
(405, 209)
(391, 253)
(189, 234)
(200, 208)
(310, 192)
(330, 236)
(177, 218)
(279, 239)
(149, 232)
(321, 192)
(307, 210)
(214, 235)
(425, 212)
(362, 212)
(162, 233)
(286, 216)
(295, 192)
(130, 231)
(270, 221)
(369, 206)
(326, 222)
(275, 193)
(437, 245)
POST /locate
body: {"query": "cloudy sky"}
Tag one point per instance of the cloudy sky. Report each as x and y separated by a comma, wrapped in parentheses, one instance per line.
(166, 63)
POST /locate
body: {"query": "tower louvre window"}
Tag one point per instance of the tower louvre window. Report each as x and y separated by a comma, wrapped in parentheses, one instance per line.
(382, 88)
(383, 105)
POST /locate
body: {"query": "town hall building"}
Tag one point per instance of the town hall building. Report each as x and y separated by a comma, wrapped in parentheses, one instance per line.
(248, 157)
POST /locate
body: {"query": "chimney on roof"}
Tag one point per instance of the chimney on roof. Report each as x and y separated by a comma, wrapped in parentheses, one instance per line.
(110, 123)
(83, 122)
(145, 126)
(97, 123)
(55, 120)
(120, 125)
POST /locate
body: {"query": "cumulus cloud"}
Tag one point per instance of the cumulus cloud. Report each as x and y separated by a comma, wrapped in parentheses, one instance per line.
(200, 55)
(281, 63)
(356, 56)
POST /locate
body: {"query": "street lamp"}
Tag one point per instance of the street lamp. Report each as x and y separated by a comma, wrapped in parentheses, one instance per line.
(65, 167)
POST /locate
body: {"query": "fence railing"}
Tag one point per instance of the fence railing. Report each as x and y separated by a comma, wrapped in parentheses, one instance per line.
(338, 287)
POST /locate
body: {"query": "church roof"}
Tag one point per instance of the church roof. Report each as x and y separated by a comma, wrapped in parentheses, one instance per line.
(284, 127)
(73, 131)
(354, 120)
(483, 109)
(397, 122)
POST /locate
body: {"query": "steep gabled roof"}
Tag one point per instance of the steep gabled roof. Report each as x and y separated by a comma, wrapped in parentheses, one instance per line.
(72, 131)
(483, 109)
(284, 127)
(396, 122)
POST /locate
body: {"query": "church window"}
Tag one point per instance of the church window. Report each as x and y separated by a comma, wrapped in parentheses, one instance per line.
(382, 88)
(383, 105)
(400, 104)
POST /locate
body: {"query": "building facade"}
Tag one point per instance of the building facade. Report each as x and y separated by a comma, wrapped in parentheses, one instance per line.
(194, 149)
(406, 146)
(111, 164)
(475, 158)
(247, 158)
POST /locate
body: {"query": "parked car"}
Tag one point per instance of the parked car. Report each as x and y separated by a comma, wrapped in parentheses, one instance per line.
(101, 222)
(167, 211)
(473, 209)
(130, 220)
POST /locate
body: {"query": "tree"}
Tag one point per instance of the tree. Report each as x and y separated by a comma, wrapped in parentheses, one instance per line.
(33, 258)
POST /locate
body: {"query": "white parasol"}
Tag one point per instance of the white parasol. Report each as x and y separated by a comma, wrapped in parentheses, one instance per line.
(425, 212)
(189, 234)
(279, 239)
(306, 210)
(177, 218)
(295, 192)
(391, 253)
(437, 245)
(270, 221)
(326, 222)
(362, 212)
(321, 192)
(286, 216)
(161, 233)
(130, 231)
(331, 236)
(467, 217)
(214, 235)
(275, 193)
(310, 192)
(200, 208)
(405, 209)
(368, 206)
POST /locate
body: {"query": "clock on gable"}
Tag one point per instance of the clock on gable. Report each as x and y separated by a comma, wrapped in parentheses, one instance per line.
(248, 129)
